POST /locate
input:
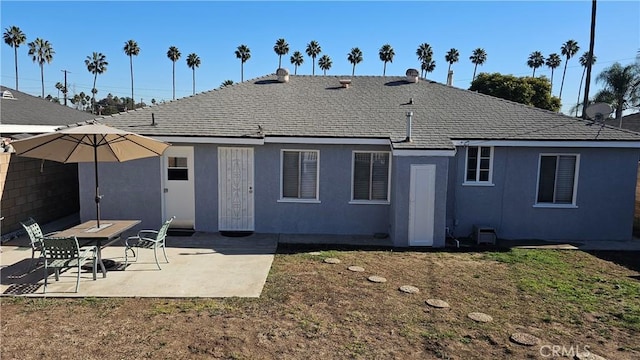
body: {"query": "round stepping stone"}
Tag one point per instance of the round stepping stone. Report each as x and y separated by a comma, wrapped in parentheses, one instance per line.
(480, 317)
(376, 279)
(332, 261)
(356, 268)
(524, 339)
(437, 303)
(409, 289)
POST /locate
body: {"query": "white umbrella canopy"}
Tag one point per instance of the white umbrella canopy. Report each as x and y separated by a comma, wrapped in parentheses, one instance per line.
(89, 142)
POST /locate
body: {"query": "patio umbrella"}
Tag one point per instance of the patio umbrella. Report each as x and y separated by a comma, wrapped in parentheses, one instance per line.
(89, 142)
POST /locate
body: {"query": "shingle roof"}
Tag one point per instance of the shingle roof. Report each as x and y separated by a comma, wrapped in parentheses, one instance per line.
(25, 109)
(629, 122)
(372, 107)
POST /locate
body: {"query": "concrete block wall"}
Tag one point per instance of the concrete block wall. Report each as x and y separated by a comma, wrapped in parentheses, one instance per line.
(45, 190)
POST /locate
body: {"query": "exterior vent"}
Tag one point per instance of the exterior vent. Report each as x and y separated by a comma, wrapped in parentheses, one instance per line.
(7, 95)
(412, 75)
(283, 75)
(409, 121)
(345, 83)
(450, 78)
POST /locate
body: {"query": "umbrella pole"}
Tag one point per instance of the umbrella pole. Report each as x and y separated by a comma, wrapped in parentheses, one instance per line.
(95, 164)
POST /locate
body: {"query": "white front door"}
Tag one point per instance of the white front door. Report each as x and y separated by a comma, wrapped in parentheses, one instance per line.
(235, 189)
(422, 194)
(179, 197)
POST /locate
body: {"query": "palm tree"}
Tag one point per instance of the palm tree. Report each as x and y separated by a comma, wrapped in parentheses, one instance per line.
(536, 60)
(14, 37)
(354, 57)
(553, 61)
(296, 60)
(226, 83)
(428, 65)
(478, 57)
(451, 57)
(324, 63)
(622, 85)
(41, 51)
(193, 62)
(386, 55)
(424, 52)
(96, 64)
(313, 49)
(174, 54)
(281, 48)
(568, 49)
(131, 49)
(584, 61)
(243, 53)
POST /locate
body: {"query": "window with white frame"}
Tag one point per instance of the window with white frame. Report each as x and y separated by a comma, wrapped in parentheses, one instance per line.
(557, 177)
(479, 163)
(300, 174)
(371, 176)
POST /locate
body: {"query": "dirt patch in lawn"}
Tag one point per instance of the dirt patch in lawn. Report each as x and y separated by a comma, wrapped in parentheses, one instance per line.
(570, 300)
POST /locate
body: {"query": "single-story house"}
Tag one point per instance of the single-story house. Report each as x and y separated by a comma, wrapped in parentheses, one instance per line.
(44, 190)
(400, 156)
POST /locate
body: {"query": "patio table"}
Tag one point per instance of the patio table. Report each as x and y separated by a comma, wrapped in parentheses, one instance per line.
(108, 233)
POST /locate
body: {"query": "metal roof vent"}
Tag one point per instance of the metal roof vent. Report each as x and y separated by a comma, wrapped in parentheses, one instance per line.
(7, 95)
(412, 75)
(283, 75)
(345, 83)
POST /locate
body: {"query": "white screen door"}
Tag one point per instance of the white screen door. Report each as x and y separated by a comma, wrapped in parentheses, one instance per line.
(422, 194)
(179, 198)
(235, 189)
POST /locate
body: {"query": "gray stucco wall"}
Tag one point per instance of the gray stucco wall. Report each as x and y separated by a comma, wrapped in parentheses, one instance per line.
(131, 190)
(401, 179)
(605, 196)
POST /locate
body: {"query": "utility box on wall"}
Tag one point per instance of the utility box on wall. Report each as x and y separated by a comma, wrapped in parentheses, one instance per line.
(484, 234)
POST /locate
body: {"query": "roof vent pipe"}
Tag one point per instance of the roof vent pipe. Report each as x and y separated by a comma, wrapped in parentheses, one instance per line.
(412, 75)
(450, 78)
(283, 75)
(409, 118)
(153, 120)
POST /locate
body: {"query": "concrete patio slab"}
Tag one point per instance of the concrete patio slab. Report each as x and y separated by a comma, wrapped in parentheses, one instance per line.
(205, 265)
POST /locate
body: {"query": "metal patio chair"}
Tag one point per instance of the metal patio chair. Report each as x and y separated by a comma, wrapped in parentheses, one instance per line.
(148, 239)
(65, 253)
(34, 231)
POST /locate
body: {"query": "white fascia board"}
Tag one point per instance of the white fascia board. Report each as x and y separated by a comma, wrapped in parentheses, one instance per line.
(210, 140)
(28, 129)
(549, 143)
(423, 152)
(331, 141)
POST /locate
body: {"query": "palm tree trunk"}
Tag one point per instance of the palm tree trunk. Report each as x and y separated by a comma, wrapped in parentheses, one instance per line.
(133, 102)
(194, 80)
(279, 61)
(619, 109)
(93, 92)
(174, 80)
(474, 72)
(384, 69)
(551, 90)
(534, 72)
(42, 78)
(353, 70)
(448, 70)
(313, 67)
(564, 72)
(295, 69)
(579, 90)
(15, 51)
(241, 71)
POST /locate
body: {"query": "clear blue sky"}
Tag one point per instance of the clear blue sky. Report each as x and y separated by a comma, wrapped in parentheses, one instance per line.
(508, 31)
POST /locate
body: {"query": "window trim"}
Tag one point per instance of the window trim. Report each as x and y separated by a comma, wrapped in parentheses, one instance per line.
(466, 167)
(576, 173)
(299, 200)
(353, 169)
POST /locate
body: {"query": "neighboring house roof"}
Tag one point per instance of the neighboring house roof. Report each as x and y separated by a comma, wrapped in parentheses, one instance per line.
(371, 107)
(25, 109)
(629, 122)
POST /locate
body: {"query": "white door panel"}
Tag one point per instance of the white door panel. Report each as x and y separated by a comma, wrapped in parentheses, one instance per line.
(422, 205)
(179, 194)
(235, 189)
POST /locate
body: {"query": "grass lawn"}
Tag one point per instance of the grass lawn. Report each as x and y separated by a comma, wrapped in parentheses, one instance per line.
(570, 300)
